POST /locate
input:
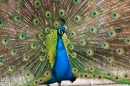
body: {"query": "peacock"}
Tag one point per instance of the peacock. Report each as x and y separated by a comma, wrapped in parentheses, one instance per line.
(49, 41)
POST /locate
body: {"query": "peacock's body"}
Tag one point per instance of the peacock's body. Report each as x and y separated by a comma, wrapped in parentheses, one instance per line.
(48, 41)
(61, 69)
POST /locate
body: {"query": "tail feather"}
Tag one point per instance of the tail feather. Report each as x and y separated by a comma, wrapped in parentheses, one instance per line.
(98, 39)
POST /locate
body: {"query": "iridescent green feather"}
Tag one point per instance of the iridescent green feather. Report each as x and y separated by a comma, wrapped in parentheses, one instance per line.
(51, 42)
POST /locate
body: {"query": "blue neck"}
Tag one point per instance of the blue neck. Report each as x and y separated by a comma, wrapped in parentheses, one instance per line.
(62, 66)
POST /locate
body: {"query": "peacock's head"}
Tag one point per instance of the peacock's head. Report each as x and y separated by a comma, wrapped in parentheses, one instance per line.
(62, 21)
(61, 30)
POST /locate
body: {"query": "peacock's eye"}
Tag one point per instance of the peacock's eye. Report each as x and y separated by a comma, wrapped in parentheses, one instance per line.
(44, 42)
(28, 85)
(43, 50)
(42, 58)
(127, 40)
(74, 55)
(74, 70)
(112, 33)
(110, 60)
(48, 14)
(47, 73)
(94, 13)
(81, 75)
(105, 45)
(71, 47)
(73, 34)
(90, 52)
(13, 52)
(77, 18)
(120, 51)
(81, 42)
(11, 68)
(17, 18)
(125, 75)
(56, 24)
(36, 82)
(116, 77)
(1, 23)
(91, 69)
(5, 41)
(40, 35)
(116, 15)
(40, 79)
(108, 74)
(76, 1)
(85, 75)
(25, 58)
(21, 36)
(37, 3)
(33, 46)
(35, 21)
(99, 76)
(1, 62)
(47, 30)
(27, 75)
(93, 30)
(61, 12)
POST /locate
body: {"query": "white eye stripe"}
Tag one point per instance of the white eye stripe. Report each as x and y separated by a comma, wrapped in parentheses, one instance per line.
(61, 33)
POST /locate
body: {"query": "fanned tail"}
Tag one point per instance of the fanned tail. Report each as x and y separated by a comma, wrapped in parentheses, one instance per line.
(99, 39)
(23, 56)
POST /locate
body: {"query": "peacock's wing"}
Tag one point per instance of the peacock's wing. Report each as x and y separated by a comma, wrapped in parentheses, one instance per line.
(98, 33)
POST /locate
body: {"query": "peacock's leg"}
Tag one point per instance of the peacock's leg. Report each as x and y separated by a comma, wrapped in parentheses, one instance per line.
(48, 85)
(59, 83)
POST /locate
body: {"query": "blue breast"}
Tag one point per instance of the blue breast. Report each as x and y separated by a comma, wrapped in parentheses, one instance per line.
(62, 69)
